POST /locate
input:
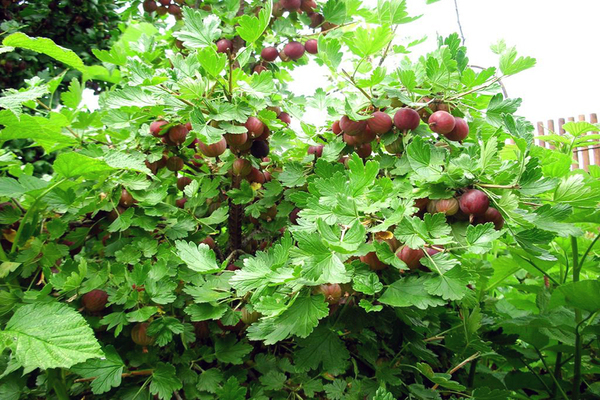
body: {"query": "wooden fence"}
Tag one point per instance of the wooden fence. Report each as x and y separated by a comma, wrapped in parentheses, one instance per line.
(583, 157)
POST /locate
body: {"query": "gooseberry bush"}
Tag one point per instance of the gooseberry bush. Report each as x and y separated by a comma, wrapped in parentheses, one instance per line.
(199, 238)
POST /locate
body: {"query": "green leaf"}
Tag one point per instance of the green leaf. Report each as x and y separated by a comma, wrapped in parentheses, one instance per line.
(9, 187)
(209, 380)
(334, 11)
(205, 312)
(510, 64)
(273, 380)
(292, 175)
(481, 237)
(164, 381)
(299, 319)
(366, 42)
(582, 295)
(106, 371)
(323, 346)
(49, 336)
(441, 379)
(13, 99)
(425, 160)
(251, 28)
(214, 63)
(232, 390)
(199, 258)
(229, 350)
(199, 29)
(73, 96)
(451, 285)
(71, 165)
(408, 292)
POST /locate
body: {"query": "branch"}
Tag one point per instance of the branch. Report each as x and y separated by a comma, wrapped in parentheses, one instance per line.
(351, 79)
(462, 36)
(459, 366)
(143, 372)
(175, 94)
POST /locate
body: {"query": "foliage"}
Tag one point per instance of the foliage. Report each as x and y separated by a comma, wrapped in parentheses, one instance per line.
(218, 251)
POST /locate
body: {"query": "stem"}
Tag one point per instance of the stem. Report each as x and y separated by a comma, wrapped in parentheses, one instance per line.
(536, 375)
(166, 89)
(472, 372)
(31, 209)
(589, 249)
(462, 36)
(556, 384)
(459, 366)
(577, 361)
(557, 372)
(387, 49)
(351, 79)
(541, 270)
(143, 372)
(491, 186)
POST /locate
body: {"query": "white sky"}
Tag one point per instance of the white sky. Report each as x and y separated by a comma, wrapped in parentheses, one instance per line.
(560, 35)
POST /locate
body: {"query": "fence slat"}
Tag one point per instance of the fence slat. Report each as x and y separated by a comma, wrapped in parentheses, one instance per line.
(596, 152)
(575, 164)
(551, 129)
(584, 153)
(540, 133)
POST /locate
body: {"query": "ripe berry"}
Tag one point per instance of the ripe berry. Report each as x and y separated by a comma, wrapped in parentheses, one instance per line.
(285, 118)
(316, 150)
(447, 206)
(126, 199)
(162, 10)
(269, 54)
(265, 135)
(364, 150)
(259, 69)
(474, 202)
(441, 122)
(351, 140)
(294, 50)
(308, 6)
(294, 216)
(254, 126)
(180, 203)
(150, 6)
(332, 292)
(460, 131)
(336, 128)
(256, 175)
(291, 5)
(316, 20)
(174, 9)
(182, 182)
(259, 149)
(224, 46)
(178, 134)
(373, 262)
(367, 136)
(406, 119)
(241, 167)
(165, 2)
(213, 150)
(174, 163)
(156, 128)
(139, 335)
(491, 215)
(95, 300)
(311, 46)
(411, 257)
(236, 139)
(209, 241)
(379, 123)
(351, 127)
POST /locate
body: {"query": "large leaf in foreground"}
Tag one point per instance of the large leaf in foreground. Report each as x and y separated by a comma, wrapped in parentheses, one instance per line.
(49, 336)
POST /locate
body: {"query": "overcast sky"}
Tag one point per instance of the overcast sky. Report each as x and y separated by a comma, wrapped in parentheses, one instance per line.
(560, 35)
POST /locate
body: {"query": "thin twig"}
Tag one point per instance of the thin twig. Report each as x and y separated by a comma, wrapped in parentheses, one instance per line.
(355, 85)
(459, 366)
(462, 36)
(143, 372)
(387, 49)
(166, 89)
(492, 186)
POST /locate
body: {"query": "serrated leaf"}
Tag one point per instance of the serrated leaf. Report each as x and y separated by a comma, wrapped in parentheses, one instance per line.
(199, 258)
(408, 292)
(49, 336)
(106, 371)
(229, 350)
